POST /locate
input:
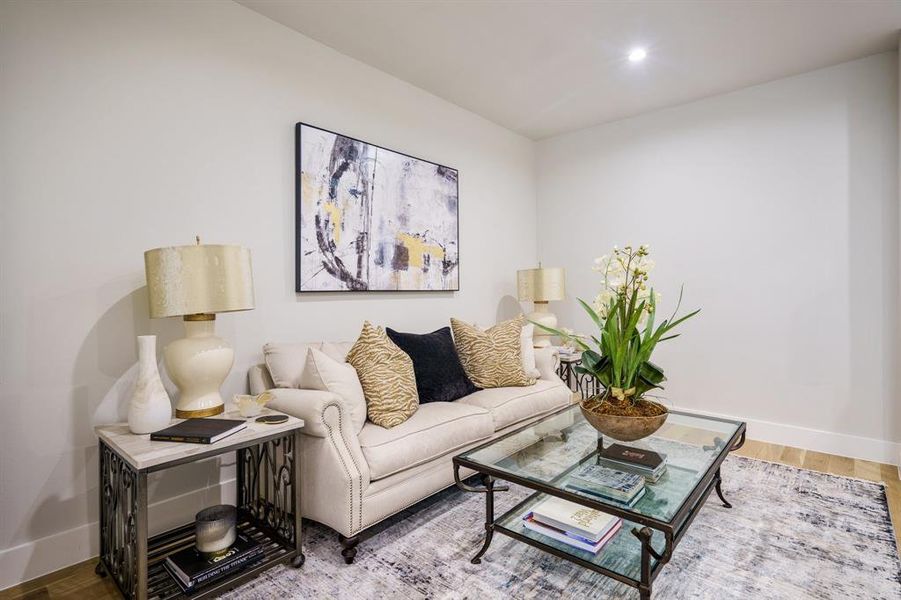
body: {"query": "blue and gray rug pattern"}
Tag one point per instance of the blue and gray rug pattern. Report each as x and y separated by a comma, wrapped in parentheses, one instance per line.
(792, 534)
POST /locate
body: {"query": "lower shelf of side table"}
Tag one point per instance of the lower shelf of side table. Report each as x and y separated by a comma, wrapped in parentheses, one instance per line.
(161, 585)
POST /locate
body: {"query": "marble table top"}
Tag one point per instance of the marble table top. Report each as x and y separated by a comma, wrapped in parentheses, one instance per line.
(141, 453)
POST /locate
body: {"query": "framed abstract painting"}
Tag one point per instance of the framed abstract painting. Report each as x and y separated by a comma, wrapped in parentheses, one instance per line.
(372, 219)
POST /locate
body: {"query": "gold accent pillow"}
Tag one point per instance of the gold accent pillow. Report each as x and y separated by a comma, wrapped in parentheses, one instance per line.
(492, 358)
(386, 374)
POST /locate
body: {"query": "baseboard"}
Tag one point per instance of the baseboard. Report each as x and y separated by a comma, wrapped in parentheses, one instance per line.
(829, 442)
(46, 555)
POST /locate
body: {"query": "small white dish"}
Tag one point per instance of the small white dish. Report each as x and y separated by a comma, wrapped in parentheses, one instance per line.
(250, 405)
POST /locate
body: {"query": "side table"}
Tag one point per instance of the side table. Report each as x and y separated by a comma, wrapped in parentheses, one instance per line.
(584, 384)
(268, 481)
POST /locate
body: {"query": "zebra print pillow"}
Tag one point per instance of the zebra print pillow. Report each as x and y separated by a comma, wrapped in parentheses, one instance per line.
(492, 358)
(386, 374)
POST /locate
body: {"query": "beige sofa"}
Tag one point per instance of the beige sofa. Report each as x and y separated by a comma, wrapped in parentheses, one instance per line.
(352, 480)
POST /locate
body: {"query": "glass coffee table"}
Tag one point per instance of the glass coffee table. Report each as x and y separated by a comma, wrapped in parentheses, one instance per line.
(541, 457)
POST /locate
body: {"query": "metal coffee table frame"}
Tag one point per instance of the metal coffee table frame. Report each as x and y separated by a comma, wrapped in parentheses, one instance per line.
(673, 531)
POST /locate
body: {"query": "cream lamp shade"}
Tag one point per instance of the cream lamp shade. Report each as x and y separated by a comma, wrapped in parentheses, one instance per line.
(201, 279)
(196, 282)
(541, 285)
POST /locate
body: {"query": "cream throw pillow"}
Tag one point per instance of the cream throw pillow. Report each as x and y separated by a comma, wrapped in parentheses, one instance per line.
(528, 351)
(285, 362)
(337, 350)
(492, 358)
(386, 374)
(321, 372)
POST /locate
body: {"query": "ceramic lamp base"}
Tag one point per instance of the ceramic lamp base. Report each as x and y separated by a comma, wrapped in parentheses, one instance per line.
(198, 364)
(199, 414)
(542, 315)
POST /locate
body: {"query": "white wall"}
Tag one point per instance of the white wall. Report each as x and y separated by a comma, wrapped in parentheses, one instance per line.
(127, 126)
(777, 206)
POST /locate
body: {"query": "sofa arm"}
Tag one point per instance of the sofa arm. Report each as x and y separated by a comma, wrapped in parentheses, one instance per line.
(315, 407)
(335, 473)
(546, 361)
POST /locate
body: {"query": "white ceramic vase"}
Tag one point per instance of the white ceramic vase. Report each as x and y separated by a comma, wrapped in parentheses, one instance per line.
(150, 408)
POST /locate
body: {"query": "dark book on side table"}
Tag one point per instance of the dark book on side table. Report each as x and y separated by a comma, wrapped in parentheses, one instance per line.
(191, 569)
(199, 431)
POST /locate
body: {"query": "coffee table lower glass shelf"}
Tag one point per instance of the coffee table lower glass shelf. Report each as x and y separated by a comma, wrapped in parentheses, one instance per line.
(543, 455)
(620, 558)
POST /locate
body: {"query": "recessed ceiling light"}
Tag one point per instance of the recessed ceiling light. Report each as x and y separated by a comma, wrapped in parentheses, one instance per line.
(637, 55)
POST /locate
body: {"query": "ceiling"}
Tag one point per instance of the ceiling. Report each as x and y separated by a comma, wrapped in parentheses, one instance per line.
(542, 68)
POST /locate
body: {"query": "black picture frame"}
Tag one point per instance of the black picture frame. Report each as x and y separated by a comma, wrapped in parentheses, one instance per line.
(298, 214)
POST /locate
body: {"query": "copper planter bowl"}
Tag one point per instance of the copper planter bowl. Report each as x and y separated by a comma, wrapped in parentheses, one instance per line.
(622, 428)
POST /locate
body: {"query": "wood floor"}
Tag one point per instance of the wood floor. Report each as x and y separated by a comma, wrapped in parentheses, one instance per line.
(79, 582)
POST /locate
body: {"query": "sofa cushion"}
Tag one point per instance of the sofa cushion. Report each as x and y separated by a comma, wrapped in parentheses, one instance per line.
(527, 349)
(439, 375)
(337, 350)
(286, 362)
(386, 374)
(510, 405)
(527, 343)
(492, 358)
(324, 373)
(434, 430)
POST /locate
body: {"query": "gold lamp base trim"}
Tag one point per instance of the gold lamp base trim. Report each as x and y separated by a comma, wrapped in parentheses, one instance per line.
(199, 414)
(200, 317)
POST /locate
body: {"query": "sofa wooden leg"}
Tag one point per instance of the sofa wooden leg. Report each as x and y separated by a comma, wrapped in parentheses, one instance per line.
(349, 547)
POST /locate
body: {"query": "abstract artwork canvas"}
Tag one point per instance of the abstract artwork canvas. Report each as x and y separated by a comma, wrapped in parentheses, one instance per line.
(372, 219)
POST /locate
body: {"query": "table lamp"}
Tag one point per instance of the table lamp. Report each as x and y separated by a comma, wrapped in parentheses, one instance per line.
(541, 286)
(195, 283)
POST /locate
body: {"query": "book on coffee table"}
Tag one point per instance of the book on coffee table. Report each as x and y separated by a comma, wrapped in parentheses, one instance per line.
(636, 457)
(646, 462)
(569, 538)
(587, 523)
(615, 484)
(592, 494)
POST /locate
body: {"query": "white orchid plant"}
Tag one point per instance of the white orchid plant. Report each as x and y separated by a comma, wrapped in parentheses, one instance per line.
(625, 312)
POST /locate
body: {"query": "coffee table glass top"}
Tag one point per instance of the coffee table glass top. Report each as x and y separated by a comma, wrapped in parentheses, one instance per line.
(549, 450)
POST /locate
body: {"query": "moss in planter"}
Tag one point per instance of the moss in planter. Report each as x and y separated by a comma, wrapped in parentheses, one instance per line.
(604, 405)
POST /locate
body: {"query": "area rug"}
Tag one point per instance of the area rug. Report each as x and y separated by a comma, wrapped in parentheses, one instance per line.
(792, 534)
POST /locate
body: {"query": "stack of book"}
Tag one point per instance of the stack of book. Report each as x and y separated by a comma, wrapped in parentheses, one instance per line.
(572, 524)
(608, 484)
(647, 463)
(192, 569)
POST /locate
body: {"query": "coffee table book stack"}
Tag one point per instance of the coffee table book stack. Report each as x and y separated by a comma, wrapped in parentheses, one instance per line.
(647, 463)
(580, 527)
(608, 484)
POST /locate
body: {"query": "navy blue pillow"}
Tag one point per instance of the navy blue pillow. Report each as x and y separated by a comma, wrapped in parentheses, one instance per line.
(439, 374)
